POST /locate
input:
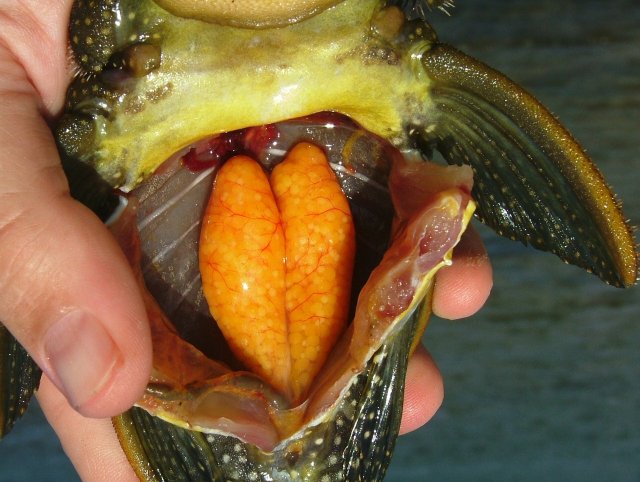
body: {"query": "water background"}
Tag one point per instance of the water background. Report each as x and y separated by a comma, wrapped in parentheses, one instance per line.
(544, 383)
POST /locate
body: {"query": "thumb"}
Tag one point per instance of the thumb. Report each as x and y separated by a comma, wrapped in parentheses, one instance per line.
(66, 291)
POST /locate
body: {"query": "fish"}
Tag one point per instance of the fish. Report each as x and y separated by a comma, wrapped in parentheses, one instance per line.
(369, 83)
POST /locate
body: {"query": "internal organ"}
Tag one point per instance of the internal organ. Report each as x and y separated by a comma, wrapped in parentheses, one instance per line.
(276, 259)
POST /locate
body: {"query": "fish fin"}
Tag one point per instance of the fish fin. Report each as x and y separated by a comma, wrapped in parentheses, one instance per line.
(421, 8)
(533, 182)
(19, 379)
(158, 450)
(380, 395)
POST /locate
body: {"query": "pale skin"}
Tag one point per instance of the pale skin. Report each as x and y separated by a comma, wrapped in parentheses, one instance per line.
(57, 258)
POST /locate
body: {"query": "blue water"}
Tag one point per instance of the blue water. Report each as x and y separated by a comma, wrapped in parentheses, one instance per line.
(544, 383)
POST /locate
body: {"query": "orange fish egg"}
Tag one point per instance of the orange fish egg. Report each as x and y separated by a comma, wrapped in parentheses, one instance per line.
(276, 259)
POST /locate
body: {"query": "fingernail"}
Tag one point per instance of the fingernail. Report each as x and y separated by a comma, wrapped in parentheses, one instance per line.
(81, 355)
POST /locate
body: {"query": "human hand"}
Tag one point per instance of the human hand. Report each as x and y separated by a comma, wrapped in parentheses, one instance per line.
(58, 259)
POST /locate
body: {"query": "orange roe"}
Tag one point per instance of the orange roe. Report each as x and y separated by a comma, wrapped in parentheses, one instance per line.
(276, 259)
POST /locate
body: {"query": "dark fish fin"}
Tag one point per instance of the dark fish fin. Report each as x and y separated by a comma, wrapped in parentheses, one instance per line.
(533, 182)
(379, 392)
(162, 452)
(354, 444)
(19, 379)
(420, 8)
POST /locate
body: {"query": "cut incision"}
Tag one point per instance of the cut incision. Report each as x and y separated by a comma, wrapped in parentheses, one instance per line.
(276, 259)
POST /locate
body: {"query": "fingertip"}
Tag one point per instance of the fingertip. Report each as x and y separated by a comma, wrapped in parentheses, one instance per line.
(462, 288)
(101, 377)
(110, 355)
(76, 307)
(424, 391)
